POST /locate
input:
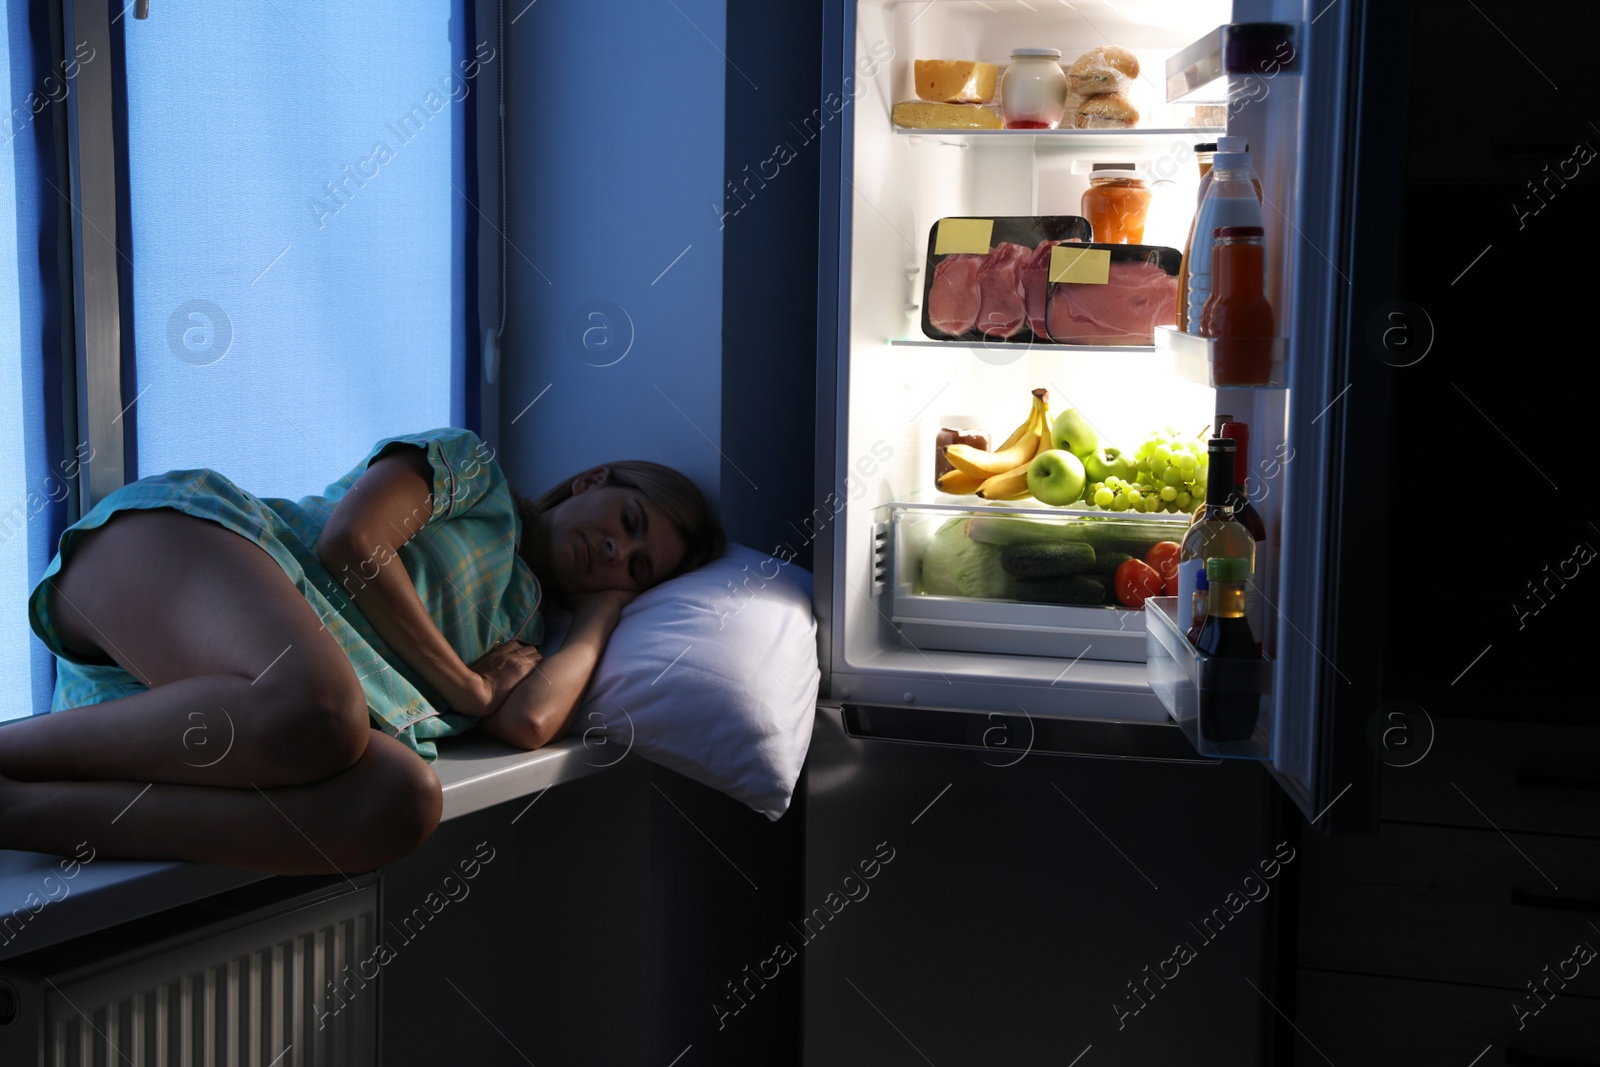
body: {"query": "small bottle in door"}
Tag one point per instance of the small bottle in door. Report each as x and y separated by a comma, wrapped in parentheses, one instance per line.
(1217, 532)
(1197, 612)
(1237, 315)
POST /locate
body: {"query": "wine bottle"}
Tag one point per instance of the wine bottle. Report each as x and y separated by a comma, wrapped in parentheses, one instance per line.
(1216, 532)
(1228, 712)
(1216, 431)
(1246, 514)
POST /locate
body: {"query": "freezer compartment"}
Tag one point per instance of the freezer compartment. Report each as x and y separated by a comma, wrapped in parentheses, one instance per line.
(948, 590)
(1206, 696)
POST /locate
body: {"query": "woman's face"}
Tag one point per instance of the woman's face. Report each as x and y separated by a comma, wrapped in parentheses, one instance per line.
(609, 537)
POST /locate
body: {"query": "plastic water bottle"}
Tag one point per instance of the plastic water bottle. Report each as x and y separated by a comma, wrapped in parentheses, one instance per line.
(1232, 199)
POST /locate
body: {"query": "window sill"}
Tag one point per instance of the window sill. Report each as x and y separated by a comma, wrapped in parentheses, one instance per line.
(476, 773)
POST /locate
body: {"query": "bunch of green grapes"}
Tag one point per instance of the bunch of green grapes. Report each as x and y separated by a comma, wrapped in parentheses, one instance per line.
(1114, 494)
(1173, 466)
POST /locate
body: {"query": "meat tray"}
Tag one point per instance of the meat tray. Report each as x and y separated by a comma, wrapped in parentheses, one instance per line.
(1002, 293)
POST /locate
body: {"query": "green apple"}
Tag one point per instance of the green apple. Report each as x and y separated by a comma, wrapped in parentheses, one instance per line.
(1109, 462)
(1055, 477)
(1072, 433)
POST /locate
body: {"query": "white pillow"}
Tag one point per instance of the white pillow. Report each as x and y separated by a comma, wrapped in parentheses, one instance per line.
(713, 674)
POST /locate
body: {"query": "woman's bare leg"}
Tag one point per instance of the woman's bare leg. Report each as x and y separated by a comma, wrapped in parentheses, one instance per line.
(248, 690)
(377, 811)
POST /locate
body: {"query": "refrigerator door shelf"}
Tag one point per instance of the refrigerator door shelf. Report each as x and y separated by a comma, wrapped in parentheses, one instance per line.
(1229, 63)
(1191, 358)
(1180, 673)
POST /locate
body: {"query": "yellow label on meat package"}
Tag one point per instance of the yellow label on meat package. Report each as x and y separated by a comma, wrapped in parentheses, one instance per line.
(1082, 266)
(970, 236)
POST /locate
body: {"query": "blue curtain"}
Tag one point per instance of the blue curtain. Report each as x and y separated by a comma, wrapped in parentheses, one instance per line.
(33, 480)
(298, 232)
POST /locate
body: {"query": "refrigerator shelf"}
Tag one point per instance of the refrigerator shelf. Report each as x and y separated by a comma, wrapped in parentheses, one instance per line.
(1149, 140)
(1179, 674)
(1191, 359)
(1021, 346)
(1032, 509)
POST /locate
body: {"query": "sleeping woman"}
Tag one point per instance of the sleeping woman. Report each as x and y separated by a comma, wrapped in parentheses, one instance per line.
(259, 682)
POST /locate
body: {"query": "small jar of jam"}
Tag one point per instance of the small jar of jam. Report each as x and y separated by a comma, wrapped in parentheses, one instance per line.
(956, 430)
(1116, 204)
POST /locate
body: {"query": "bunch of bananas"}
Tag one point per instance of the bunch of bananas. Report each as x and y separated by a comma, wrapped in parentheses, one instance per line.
(1001, 474)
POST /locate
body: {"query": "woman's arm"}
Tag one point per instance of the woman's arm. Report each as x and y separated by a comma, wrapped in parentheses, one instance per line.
(360, 546)
(541, 709)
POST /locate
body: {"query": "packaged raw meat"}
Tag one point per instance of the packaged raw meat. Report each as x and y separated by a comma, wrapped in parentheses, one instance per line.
(1122, 293)
(952, 301)
(1001, 313)
(985, 277)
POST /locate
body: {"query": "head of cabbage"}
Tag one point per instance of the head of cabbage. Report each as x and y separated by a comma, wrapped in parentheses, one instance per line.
(956, 565)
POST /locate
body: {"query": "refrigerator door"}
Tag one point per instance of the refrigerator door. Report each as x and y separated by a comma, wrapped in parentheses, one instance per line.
(1349, 334)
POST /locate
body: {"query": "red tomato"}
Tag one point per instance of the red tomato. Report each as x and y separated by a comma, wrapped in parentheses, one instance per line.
(1163, 556)
(1135, 581)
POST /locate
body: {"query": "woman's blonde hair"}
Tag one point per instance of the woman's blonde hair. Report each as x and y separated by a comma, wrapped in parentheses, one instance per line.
(669, 490)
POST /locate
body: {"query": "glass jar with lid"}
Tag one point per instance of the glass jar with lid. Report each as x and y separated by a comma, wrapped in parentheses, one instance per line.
(956, 430)
(1117, 203)
(1033, 90)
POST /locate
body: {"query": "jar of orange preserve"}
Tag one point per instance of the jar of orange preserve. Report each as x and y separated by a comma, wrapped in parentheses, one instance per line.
(1116, 203)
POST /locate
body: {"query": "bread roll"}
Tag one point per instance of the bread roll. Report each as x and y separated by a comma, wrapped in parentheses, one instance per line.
(1106, 111)
(1103, 70)
(928, 115)
(955, 81)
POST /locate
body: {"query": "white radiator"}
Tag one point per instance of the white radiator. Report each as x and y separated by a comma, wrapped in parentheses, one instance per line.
(229, 982)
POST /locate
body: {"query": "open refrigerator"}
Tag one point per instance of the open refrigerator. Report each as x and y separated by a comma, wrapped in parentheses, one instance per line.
(1096, 676)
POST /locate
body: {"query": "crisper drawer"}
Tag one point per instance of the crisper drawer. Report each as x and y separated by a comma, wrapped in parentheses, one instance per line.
(1018, 581)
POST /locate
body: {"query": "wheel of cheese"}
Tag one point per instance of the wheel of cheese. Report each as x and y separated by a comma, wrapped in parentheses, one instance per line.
(955, 81)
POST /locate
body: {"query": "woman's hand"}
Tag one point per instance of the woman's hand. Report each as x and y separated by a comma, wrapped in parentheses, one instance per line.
(542, 709)
(496, 674)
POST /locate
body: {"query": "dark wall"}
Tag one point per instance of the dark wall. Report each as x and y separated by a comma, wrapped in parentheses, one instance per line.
(769, 263)
(1495, 422)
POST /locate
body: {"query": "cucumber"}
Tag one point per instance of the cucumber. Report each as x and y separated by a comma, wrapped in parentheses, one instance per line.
(1046, 561)
(1131, 536)
(994, 530)
(1069, 589)
(1121, 535)
(1107, 562)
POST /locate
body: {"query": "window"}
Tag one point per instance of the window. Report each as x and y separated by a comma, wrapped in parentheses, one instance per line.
(298, 242)
(293, 240)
